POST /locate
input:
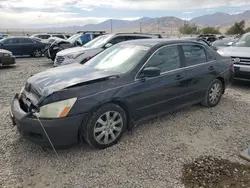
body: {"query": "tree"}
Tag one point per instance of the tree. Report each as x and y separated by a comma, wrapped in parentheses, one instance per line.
(237, 28)
(210, 30)
(189, 29)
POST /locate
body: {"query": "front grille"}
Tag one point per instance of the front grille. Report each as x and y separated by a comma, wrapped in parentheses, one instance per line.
(241, 60)
(59, 59)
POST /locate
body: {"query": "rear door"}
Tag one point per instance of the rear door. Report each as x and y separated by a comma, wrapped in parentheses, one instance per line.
(26, 45)
(200, 70)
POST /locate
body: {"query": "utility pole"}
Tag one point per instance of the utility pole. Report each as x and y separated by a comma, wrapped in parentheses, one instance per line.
(158, 26)
(111, 26)
(140, 27)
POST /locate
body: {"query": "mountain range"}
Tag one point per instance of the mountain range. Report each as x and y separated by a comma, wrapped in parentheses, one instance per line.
(167, 24)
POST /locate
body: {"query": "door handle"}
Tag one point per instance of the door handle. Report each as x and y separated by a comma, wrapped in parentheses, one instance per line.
(211, 68)
(179, 77)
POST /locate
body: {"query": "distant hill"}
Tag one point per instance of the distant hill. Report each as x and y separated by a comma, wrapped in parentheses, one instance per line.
(167, 24)
(163, 24)
(220, 19)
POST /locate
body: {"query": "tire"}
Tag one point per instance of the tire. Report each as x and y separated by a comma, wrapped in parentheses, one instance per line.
(37, 52)
(101, 133)
(213, 94)
(53, 57)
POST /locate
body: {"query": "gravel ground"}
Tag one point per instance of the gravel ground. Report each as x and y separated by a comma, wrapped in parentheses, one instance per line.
(152, 155)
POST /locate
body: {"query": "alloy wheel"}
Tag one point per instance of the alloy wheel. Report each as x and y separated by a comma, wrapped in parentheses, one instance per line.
(215, 93)
(108, 127)
(37, 53)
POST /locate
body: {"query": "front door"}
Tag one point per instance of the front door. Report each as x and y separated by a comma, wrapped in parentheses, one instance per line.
(162, 93)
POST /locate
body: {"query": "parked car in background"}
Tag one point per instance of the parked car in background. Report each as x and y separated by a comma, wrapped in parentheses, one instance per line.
(87, 51)
(209, 38)
(78, 39)
(239, 51)
(46, 36)
(125, 84)
(6, 58)
(3, 36)
(226, 42)
(23, 46)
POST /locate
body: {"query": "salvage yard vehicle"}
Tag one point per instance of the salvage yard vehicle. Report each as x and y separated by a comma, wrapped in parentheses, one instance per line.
(84, 53)
(23, 46)
(239, 52)
(78, 39)
(46, 36)
(223, 43)
(3, 36)
(6, 58)
(118, 88)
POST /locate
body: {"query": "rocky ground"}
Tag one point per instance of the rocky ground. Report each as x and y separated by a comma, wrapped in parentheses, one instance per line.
(159, 153)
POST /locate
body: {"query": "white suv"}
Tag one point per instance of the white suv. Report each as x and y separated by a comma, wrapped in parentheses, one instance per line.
(46, 36)
(90, 49)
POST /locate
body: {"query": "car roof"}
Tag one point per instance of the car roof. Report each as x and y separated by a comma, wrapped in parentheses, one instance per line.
(154, 42)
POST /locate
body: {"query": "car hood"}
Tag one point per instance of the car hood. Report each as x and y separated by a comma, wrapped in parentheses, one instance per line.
(71, 51)
(4, 51)
(56, 79)
(234, 51)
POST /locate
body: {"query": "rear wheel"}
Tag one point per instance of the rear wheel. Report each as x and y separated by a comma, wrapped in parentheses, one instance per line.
(105, 126)
(213, 94)
(37, 53)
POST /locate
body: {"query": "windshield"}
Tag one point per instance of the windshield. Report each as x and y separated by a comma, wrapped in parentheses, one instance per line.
(244, 41)
(73, 38)
(119, 58)
(98, 42)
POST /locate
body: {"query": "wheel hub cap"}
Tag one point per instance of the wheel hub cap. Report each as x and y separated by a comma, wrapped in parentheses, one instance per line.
(108, 127)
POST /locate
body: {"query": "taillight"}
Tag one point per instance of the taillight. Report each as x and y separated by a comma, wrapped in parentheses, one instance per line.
(232, 67)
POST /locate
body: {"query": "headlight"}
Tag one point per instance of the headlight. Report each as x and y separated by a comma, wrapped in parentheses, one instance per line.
(7, 54)
(74, 56)
(57, 109)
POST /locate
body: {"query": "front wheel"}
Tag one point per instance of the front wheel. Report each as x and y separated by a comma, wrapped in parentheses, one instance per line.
(213, 94)
(105, 126)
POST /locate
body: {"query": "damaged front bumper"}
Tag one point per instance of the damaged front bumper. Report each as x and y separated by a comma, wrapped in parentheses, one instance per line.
(61, 131)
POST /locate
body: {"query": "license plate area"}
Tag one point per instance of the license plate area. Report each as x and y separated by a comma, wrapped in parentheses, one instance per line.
(245, 69)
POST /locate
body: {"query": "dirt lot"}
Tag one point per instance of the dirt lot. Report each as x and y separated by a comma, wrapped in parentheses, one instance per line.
(157, 154)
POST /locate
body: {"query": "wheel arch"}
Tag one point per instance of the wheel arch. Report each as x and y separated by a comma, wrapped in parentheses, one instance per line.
(118, 102)
(223, 83)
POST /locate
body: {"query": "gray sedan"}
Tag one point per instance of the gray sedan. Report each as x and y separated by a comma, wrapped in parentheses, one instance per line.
(6, 58)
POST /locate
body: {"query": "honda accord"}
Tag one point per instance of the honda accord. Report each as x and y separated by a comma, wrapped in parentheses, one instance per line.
(125, 84)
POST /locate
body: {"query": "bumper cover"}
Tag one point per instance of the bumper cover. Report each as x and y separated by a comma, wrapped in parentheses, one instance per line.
(62, 131)
(241, 72)
(7, 60)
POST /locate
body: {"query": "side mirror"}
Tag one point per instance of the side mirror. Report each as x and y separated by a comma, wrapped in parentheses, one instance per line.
(150, 72)
(230, 43)
(108, 45)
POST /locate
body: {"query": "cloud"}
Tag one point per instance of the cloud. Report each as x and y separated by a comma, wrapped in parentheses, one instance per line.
(26, 13)
(36, 19)
(131, 19)
(188, 12)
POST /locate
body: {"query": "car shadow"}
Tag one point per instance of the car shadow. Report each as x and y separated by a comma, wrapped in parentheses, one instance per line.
(8, 66)
(241, 84)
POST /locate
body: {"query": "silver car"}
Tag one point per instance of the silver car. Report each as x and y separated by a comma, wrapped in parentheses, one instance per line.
(239, 52)
(90, 49)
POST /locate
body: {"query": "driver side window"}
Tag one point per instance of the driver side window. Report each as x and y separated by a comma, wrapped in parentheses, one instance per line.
(166, 59)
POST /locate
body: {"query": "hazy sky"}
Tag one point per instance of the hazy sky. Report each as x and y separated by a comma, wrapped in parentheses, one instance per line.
(46, 13)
